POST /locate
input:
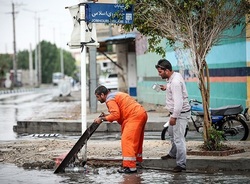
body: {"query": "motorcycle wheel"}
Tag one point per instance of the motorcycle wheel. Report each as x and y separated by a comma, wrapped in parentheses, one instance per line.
(165, 134)
(235, 130)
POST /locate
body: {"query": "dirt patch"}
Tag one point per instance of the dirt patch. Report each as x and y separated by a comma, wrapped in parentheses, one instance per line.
(216, 153)
(41, 153)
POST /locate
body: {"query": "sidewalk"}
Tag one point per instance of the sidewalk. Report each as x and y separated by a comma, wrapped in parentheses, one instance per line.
(156, 120)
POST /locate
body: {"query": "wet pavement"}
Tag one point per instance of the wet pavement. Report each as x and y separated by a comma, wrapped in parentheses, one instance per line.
(10, 174)
(22, 107)
(19, 105)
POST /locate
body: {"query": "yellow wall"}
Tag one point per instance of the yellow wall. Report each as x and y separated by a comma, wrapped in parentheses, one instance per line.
(248, 63)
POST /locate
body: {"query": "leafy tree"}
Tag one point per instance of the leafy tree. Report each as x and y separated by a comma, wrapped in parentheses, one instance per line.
(23, 60)
(69, 64)
(50, 58)
(6, 63)
(192, 26)
(51, 61)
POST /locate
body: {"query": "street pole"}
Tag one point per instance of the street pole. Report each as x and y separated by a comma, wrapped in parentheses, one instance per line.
(62, 62)
(14, 46)
(30, 66)
(39, 56)
(36, 52)
(93, 79)
(83, 78)
(37, 45)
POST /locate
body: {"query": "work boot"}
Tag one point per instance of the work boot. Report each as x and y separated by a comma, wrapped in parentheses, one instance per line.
(139, 165)
(127, 170)
(167, 157)
(178, 169)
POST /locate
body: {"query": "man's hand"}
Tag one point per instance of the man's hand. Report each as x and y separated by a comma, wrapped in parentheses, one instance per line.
(172, 121)
(163, 87)
(99, 120)
(103, 114)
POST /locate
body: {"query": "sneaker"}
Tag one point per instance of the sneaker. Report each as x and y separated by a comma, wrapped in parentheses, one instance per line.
(167, 157)
(127, 170)
(179, 169)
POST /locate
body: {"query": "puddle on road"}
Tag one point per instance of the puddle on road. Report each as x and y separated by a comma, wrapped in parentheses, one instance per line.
(15, 175)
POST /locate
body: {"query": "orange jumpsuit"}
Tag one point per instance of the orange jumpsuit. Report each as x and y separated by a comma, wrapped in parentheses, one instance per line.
(132, 117)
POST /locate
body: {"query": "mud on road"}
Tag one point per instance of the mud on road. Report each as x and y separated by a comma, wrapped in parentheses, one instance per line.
(41, 153)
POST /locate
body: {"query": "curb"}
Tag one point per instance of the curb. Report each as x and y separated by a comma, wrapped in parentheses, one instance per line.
(73, 126)
(198, 164)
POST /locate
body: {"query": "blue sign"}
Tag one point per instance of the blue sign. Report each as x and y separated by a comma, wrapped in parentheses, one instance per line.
(108, 13)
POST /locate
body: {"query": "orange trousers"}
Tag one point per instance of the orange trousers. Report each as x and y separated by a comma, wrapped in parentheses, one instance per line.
(132, 139)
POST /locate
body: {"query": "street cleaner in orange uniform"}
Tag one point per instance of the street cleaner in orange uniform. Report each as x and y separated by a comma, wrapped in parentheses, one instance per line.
(132, 117)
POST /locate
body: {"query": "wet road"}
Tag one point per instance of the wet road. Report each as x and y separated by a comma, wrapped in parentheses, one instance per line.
(10, 174)
(24, 105)
(20, 106)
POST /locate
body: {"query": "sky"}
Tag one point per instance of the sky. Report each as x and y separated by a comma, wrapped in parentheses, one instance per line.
(56, 23)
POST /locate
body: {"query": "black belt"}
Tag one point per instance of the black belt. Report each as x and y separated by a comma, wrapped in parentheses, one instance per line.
(181, 112)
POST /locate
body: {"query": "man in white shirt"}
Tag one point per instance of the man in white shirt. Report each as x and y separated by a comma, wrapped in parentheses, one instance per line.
(179, 108)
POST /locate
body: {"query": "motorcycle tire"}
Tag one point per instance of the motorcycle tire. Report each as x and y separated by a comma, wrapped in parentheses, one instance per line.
(235, 130)
(165, 134)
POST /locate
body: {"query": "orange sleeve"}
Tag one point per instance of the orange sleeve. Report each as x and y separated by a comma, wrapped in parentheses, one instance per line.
(113, 110)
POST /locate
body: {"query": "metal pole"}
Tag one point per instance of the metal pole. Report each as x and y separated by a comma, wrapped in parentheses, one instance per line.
(36, 46)
(31, 66)
(62, 62)
(36, 53)
(14, 46)
(39, 56)
(93, 79)
(83, 78)
(83, 69)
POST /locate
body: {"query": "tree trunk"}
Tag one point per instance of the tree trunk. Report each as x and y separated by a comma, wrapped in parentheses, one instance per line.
(205, 94)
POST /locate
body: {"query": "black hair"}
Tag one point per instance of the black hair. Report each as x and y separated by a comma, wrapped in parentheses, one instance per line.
(101, 89)
(164, 64)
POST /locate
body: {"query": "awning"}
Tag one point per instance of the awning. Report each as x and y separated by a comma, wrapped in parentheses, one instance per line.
(120, 38)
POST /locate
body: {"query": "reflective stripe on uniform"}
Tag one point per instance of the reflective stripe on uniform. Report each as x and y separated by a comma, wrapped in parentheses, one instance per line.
(129, 158)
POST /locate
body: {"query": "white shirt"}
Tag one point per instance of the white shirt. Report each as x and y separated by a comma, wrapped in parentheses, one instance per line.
(176, 95)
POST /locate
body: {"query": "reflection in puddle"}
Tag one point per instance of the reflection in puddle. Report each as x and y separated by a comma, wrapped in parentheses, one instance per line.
(12, 174)
(7, 119)
(9, 115)
(15, 175)
(15, 108)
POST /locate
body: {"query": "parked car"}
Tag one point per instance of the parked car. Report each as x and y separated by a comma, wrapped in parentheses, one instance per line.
(110, 81)
(56, 78)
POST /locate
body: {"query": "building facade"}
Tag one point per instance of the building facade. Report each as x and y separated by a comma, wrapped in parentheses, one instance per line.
(229, 69)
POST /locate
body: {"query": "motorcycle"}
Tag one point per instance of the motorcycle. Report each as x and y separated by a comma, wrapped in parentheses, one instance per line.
(246, 114)
(228, 119)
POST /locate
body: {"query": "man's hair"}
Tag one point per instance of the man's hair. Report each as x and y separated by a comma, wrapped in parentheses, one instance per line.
(101, 89)
(164, 64)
